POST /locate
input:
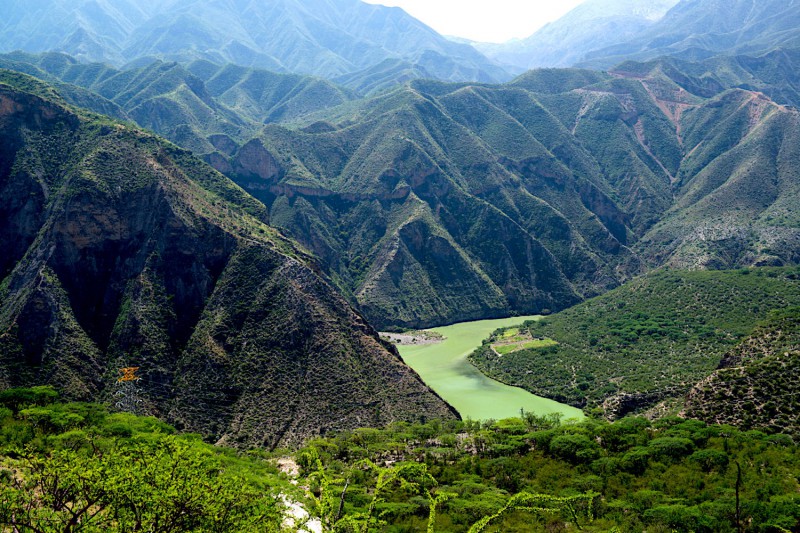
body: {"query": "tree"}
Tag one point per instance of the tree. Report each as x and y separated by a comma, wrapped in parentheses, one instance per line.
(165, 484)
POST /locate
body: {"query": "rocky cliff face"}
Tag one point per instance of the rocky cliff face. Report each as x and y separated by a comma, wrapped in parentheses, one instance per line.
(119, 249)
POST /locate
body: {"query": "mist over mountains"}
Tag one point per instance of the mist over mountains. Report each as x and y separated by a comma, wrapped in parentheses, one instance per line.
(602, 33)
(319, 37)
(594, 24)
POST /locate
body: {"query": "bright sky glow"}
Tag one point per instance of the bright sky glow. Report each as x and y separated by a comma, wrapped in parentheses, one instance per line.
(492, 21)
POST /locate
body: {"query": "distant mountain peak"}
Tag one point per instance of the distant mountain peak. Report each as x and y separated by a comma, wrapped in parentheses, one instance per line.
(324, 37)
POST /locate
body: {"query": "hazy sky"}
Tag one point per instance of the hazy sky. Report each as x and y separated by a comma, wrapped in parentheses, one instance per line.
(482, 20)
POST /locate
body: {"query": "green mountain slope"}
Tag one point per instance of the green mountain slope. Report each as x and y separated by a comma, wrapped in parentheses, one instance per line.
(650, 339)
(202, 106)
(736, 191)
(321, 37)
(122, 250)
(382, 76)
(774, 74)
(604, 172)
(757, 383)
(439, 207)
(267, 97)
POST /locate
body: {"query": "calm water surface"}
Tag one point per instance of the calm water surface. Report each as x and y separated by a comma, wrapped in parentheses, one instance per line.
(444, 367)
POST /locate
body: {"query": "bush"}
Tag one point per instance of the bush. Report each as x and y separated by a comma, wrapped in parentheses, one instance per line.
(575, 448)
(709, 460)
(681, 518)
(636, 460)
(671, 447)
(16, 399)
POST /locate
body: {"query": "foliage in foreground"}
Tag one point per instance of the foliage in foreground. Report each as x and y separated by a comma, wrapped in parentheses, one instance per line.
(76, 467)
(532, 474)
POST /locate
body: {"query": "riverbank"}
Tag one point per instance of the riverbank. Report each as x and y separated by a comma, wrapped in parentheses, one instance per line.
(419, 337)
(444, 367)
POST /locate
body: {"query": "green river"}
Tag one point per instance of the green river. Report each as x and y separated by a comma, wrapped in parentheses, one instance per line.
(444, 368)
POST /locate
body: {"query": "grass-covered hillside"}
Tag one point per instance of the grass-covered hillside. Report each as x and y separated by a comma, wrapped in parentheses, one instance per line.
(651, 339)
(78, 467)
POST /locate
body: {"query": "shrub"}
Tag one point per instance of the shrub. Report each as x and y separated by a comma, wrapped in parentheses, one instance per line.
(671, 447)
(575, 448)
(16, 399)
(709, 460)
(636, 460)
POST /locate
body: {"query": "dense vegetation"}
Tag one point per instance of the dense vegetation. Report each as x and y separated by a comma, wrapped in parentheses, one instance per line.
(77, 467)
(535, 474)
(648, 340)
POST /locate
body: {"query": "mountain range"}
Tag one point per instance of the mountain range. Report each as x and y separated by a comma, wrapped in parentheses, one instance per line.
(537, 193)
(602, 33)
(592, 25)
(541, 192)
(699, 29)
(322, 37)
(120, 250)
(332, 166)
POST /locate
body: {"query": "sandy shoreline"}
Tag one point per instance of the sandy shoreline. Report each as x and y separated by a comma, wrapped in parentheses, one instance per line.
(417, 338)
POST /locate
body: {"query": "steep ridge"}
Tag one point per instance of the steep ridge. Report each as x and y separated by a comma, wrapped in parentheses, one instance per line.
(737, 189)
(384, 75)
(774, 74)
(122, 250)
(267, 97)
(321, 37)
(201, 106)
